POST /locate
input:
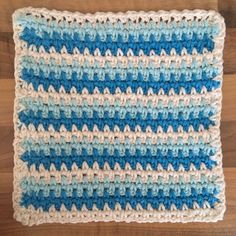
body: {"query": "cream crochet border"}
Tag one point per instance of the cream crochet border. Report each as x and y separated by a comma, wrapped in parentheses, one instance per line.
(31, 216)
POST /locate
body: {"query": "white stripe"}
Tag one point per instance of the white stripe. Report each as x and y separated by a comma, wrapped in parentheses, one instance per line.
(31, 216)
(158, 16)
(213, 97)
(90, 173)
(209, 57)
(206, 136)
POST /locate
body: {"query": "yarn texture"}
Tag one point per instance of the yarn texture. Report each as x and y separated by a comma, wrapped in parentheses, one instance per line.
(117, 116)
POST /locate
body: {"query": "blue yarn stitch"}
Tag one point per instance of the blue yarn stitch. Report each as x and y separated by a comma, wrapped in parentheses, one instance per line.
(56, 41)
(37, 119)
(40, 158)
(30, 78)
(39, 200)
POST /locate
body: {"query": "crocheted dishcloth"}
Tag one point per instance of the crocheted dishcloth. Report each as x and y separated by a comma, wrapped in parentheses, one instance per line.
(117, 116)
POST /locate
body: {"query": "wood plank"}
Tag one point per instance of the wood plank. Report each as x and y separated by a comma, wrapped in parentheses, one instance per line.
(230, 51)
(228, 11)
(8, 7)
(7, 94)
(229, 98)
(7, 54)
(8, 226)
(6, 149)
(228, 137)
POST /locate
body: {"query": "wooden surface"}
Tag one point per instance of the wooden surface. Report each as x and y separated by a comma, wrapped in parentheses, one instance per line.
(8, 226)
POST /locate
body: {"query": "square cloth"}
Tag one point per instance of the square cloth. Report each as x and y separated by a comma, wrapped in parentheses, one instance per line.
(117, 116)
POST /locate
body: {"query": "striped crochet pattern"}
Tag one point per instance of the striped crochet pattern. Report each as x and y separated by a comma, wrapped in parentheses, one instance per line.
(117, 116)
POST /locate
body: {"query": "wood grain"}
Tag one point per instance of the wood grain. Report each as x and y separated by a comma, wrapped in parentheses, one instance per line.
(7, 53)
(9, 227)
(229, 98)
(228, 137)
(228, 10)
(230, 51)
(7, 87)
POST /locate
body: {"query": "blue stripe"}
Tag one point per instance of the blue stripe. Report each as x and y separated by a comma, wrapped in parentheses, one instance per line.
(36, 119)
(74, 65)
(39, 200)
(32, 184)
(121, 114)
(113, 85)
(46, 160)
(57, 41)
(134, 111)
(106, 75)
(113, 149)
(119, 29)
